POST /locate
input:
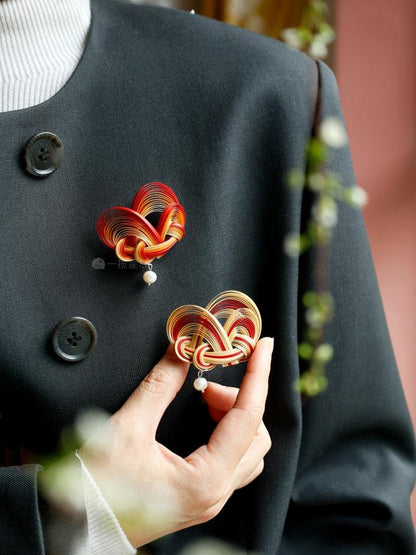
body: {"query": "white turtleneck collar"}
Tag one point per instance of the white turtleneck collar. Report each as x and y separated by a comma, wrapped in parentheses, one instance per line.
(41, 42)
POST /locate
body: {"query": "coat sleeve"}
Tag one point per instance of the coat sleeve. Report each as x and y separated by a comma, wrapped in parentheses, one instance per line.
(48, 530)
(356, 467)
(19, 504)
(28, 521)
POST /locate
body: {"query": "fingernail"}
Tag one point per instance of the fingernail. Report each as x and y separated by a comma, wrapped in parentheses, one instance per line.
(271, 344)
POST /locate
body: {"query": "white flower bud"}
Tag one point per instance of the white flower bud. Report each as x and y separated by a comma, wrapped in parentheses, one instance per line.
(318, 49)
(332, 132)
(291, 37)
(88, 423)
(324, 352)
(292, 244)
(358, 197)
(325, 212)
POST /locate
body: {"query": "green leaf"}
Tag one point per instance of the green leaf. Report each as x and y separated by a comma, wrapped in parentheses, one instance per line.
(305, 350)
(296, 179)
(309, 298)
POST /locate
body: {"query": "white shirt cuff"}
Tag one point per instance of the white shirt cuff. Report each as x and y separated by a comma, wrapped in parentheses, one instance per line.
(105, 535)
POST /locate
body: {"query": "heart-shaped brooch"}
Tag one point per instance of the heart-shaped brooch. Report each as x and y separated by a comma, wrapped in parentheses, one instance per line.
(133, 237)
(201, 338)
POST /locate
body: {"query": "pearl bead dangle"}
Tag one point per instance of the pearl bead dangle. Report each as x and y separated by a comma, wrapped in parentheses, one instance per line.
(149, 275)
(200, 384)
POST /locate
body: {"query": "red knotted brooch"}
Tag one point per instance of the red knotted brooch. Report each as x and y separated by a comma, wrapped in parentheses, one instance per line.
(201, 338)
(133, 237)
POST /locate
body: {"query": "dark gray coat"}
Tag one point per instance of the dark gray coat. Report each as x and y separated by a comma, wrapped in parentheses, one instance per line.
(219, 114)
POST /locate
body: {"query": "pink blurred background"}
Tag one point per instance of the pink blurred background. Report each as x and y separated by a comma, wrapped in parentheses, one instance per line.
(375, 67)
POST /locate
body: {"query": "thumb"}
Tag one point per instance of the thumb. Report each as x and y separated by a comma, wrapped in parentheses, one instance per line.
(148, 402)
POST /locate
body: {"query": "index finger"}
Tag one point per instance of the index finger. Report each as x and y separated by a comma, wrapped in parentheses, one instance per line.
(235, 432)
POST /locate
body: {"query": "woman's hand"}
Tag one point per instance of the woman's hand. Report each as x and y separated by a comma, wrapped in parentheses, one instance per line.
(189, 490)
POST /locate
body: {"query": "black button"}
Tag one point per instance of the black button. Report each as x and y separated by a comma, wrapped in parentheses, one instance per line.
(74, 339)
(43, 154)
